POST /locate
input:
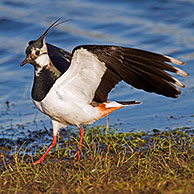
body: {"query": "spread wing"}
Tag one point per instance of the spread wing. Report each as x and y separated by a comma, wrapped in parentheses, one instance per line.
(82, 78)
(95, 70)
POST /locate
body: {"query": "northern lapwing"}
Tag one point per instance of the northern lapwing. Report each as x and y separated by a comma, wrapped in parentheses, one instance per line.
(72, 88)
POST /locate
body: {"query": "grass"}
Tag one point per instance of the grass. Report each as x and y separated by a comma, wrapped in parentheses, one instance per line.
(111, 162)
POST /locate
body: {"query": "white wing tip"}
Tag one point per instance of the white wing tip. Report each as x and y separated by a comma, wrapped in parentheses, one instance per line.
(178, 83)
(175, 61)
(181, 72)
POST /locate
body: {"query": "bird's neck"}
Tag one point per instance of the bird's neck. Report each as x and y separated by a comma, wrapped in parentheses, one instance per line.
(43, 81)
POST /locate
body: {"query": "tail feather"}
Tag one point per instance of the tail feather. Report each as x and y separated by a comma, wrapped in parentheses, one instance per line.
(106, 108)
(112, 104)
(127, 103)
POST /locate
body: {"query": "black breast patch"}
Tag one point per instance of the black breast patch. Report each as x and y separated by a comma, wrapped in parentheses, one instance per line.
(42, 84)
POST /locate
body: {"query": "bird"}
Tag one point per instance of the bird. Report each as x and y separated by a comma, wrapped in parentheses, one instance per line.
(72, 88)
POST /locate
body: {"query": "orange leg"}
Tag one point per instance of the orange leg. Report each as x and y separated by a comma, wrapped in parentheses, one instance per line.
(51, 146)
(80, 143)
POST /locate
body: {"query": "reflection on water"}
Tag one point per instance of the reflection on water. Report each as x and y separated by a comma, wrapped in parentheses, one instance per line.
(161, 26)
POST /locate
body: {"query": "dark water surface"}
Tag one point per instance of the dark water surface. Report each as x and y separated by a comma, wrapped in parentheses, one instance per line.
(162, 26)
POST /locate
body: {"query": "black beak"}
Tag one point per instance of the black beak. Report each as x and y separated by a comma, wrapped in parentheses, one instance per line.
(26, 60)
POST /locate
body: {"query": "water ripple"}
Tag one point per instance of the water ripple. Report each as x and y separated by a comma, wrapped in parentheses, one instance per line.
(161, 26)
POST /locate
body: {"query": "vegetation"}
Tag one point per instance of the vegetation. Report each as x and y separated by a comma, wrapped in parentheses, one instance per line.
(111, 162)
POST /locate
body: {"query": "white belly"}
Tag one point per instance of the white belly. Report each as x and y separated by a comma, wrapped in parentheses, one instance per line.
(67, 111)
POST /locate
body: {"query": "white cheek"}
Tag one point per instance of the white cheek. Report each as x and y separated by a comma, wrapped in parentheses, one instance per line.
(42, 60)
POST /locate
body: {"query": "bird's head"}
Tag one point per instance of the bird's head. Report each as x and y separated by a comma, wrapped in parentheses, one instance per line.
(37, 52)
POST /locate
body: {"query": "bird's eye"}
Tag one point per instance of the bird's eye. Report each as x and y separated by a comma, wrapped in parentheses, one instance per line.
(37, 52)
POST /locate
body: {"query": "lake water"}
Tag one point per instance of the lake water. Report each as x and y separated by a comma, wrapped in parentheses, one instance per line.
(162, 26)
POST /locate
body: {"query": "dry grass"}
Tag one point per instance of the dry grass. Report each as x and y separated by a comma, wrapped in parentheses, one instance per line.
(111, 162)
